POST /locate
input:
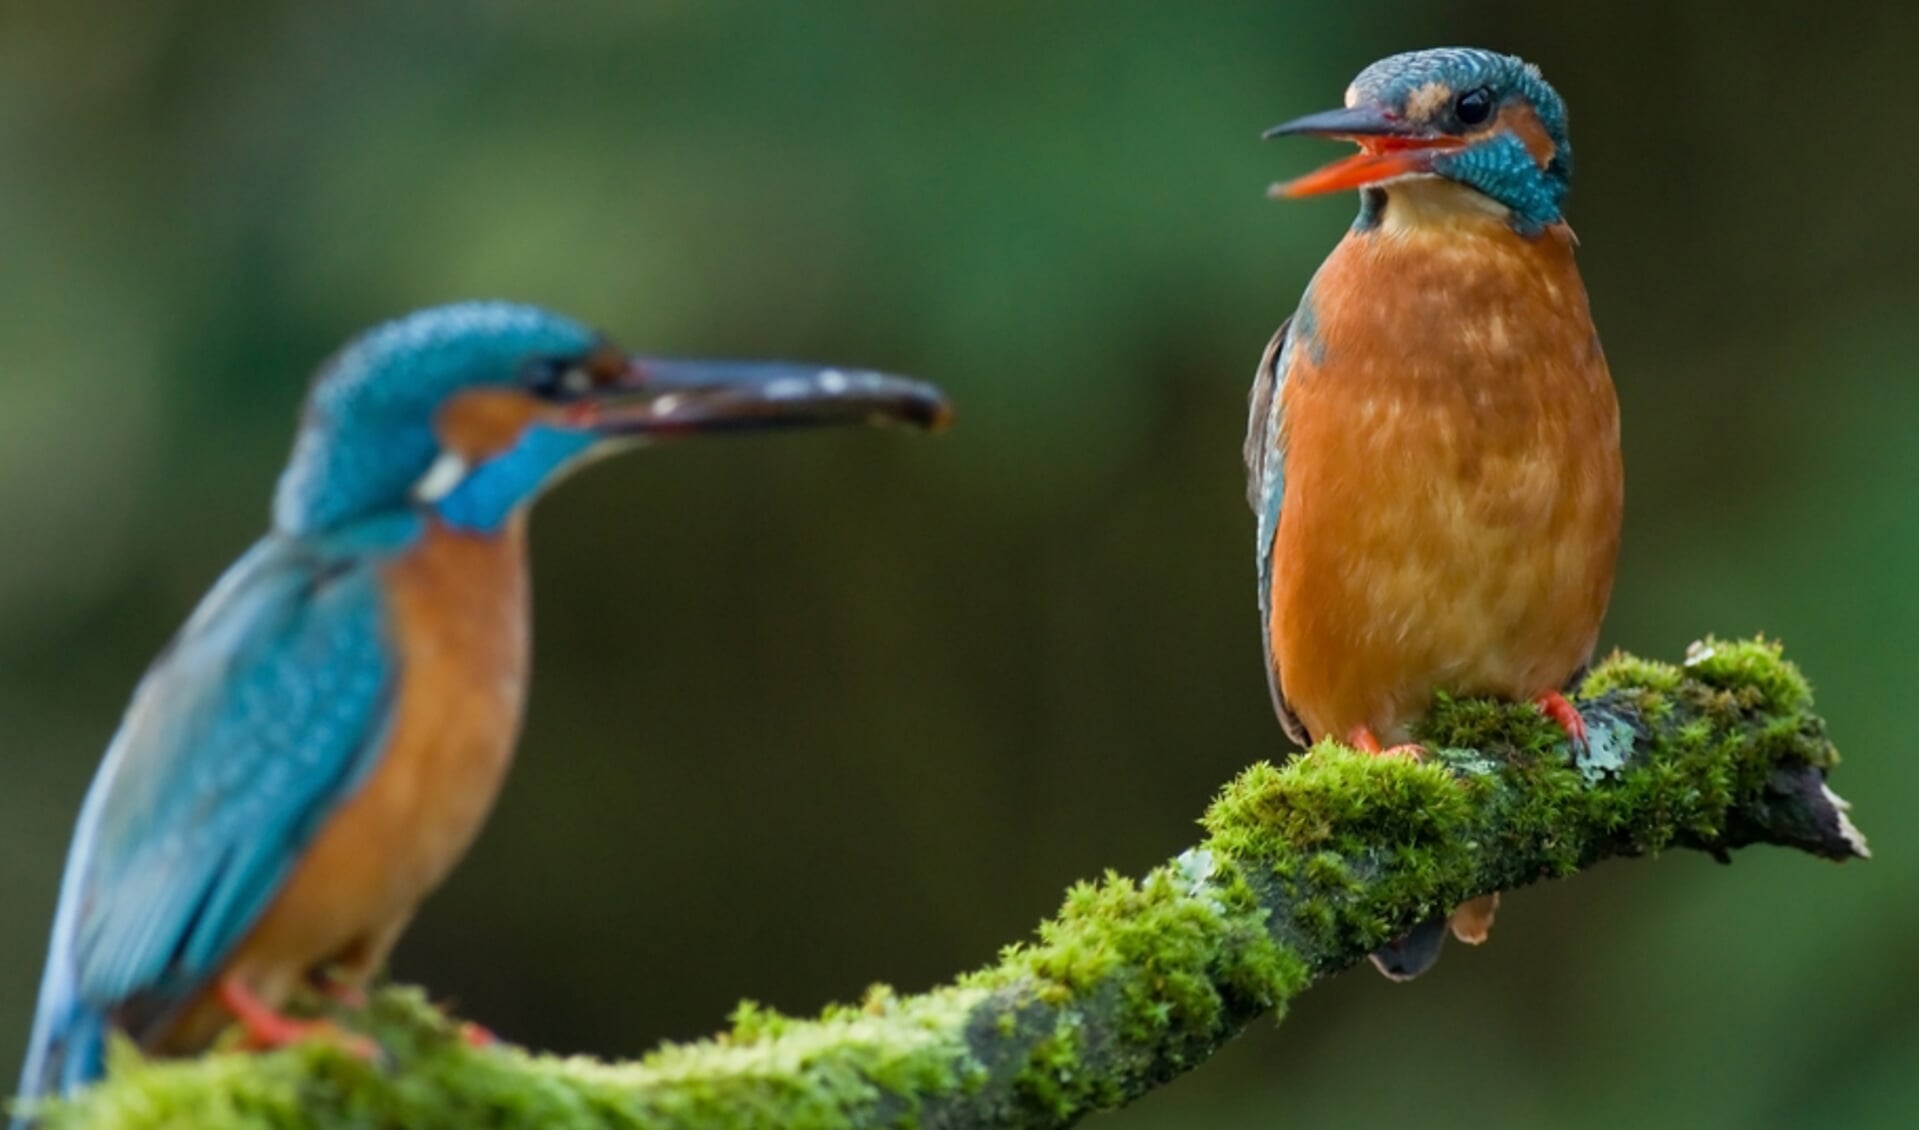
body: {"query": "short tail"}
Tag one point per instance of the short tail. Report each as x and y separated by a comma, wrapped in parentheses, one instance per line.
(1406, 958)
(69, 1051)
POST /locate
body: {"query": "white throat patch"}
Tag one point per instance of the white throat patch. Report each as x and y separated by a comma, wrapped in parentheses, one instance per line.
(1426, 203)
(447, 472)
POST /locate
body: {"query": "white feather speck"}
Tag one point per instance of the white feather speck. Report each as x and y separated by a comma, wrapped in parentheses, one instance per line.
(447, 472)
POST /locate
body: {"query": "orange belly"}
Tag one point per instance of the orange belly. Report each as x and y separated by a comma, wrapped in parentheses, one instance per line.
(459, 610)
(1453, 486)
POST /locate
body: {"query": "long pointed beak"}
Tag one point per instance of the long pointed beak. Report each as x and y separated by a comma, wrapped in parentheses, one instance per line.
(658, 396)
(1391, 148)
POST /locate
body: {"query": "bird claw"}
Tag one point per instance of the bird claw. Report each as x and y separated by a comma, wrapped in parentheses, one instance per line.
(1472, 920)
(471, 1033)
(1364, 740)
(268, 1030)
(1564, 715)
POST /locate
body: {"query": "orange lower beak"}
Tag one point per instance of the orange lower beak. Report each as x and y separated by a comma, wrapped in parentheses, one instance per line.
(1380, 159)
(1390, 147)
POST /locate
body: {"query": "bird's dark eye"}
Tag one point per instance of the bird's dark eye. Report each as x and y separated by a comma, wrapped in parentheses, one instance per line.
(552, 378)
(1474, 107)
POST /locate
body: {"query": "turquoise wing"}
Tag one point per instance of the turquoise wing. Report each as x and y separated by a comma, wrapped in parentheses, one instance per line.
(262, 714)
(1265, 489)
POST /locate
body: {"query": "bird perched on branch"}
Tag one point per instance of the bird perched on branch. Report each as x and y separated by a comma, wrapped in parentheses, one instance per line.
(1432, 451)
(318, 746)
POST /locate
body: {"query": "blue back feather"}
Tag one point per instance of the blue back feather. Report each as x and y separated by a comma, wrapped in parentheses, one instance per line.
(1265, 454)
(273, 702)
(266, 710)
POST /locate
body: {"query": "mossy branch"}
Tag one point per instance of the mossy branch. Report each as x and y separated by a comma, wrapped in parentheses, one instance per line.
(1304, 870)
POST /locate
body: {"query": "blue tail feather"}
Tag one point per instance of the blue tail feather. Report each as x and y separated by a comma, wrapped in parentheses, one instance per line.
(68, 1047)
(69, 1051)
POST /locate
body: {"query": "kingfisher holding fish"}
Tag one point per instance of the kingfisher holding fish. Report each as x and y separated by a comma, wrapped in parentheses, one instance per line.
(1432, 450)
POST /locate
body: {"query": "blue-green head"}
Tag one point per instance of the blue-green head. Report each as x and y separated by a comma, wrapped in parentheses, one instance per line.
(469, 411)
(1477, 118)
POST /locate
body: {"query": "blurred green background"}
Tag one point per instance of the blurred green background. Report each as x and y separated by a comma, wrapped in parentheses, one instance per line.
(816, 711)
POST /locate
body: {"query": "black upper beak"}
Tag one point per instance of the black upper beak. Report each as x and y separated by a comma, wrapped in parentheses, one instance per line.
(660, 396)
(1365, 120)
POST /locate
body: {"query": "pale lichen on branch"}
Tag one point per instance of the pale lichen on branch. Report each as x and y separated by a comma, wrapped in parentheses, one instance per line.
(1304, 869)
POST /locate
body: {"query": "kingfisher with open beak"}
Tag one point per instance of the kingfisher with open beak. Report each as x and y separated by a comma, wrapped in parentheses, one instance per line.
(1432, 451)
(318, 746)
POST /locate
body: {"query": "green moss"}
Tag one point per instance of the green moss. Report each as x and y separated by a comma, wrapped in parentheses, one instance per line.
(1757, 665)
(1491, 728)
(1180, 953)
(815, 1074)
(1304, 869)
(754, 1023)
(1620, 671)
(1331, 797)
(1052, 1076)
(1356, 842)
(1179, 957)
(1334, 813)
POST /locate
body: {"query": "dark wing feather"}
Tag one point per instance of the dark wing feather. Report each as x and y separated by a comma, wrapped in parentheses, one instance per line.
(1265, 489)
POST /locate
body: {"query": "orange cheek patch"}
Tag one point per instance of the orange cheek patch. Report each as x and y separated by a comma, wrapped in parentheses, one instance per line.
(484, 422)
(1520, 120)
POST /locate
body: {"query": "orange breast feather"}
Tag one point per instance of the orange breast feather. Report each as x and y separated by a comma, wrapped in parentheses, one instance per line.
(459, 606)
(1453, 487)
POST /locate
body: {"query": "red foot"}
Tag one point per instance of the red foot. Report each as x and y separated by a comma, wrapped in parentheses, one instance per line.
(267, 1029)
(1364, 740)
(477, 1036)
(1554, 706)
